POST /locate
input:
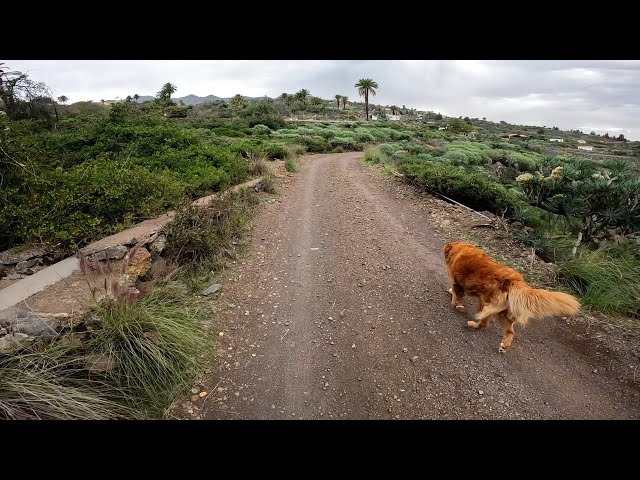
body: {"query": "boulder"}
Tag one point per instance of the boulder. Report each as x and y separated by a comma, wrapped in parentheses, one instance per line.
(111, 253)
(29, 323)
(139, 264)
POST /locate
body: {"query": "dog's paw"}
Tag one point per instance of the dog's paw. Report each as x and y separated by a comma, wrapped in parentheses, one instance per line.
(460, 308)
(472, 324)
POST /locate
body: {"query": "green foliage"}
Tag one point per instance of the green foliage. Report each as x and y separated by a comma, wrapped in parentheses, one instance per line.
(471, 189)
(601, 198)
(607, 279)
(204, 235)
(291, 166)
(155, 345)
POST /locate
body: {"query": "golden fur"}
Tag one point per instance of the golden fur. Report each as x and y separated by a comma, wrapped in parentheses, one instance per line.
(501, 291)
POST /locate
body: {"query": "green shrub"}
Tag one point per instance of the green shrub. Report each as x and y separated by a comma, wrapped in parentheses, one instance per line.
(291, 166)
(201, 235)
(607, 279)
(471, 189)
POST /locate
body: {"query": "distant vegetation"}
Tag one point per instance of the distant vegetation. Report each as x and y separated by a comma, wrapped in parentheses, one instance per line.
(74, 172)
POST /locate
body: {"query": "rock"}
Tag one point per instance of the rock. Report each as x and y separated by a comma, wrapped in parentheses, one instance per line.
(195, 390)
(152, 337)
(15, 276)
(480, 392)
(202, 394)
(3, 271)
(3, 331)
(405, 350)
(131, 242)
(231, 305)
(111, 253)
(29, 323)
(212, 289)
(47, 328)
(20, 254)
(100, 362)
(414, 358)
(14, 342)
(159, 243)
(20, 266)
(195, 398)
(139, 264)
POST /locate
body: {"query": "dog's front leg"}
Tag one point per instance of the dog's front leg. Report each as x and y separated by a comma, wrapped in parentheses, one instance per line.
(457, 293)
(483, 316)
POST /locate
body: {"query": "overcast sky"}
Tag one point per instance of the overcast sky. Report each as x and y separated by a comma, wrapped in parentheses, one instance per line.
(585, 94)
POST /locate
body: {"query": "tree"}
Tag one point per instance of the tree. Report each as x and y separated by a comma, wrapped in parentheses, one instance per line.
(62, 99)
(621, 138)
(316, 101)
(394, 109)
(128, 99)
(592, 133)
(136, 97)
(338, 99)
(460, 126)
(484, 119)
(540, 131)
(439, 116)
(302, 95)
(24, 98)
(345, 99)
(365, 87)
(238, 101)
(164, 95)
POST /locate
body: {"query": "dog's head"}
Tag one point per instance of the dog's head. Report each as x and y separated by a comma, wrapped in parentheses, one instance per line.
(449, 248)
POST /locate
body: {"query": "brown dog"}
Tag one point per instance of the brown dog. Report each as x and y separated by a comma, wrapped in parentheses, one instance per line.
(501, 291)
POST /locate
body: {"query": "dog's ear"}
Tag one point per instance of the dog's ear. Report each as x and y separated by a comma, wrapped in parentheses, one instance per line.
(447, 249)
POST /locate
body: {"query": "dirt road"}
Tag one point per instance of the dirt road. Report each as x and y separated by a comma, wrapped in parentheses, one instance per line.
(341, 311)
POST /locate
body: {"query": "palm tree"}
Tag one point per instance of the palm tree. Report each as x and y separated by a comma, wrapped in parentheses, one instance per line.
(62, 99)
(394, 109)
(338, 99)
(128, 99)
(365, 87)
(345, 99)
(166, 91)
(303, 95)
(136, 97)
(316, 101)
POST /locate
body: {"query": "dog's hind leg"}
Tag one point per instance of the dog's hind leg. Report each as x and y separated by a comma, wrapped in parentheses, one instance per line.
(509, 332)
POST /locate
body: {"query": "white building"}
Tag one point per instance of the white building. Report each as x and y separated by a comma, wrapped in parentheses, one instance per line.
(374, 117)
(582, 141)
(393, 117)
(587, 148)
(556, 140)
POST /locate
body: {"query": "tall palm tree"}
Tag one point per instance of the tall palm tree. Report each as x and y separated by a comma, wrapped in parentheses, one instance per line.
(338, 99)
(345, 99)
(303, 95)
(365, 87)
(62, 99)
(136, 97)
(128, 99)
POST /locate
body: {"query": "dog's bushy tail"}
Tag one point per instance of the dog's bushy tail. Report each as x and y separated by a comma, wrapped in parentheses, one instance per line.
(526, 303)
